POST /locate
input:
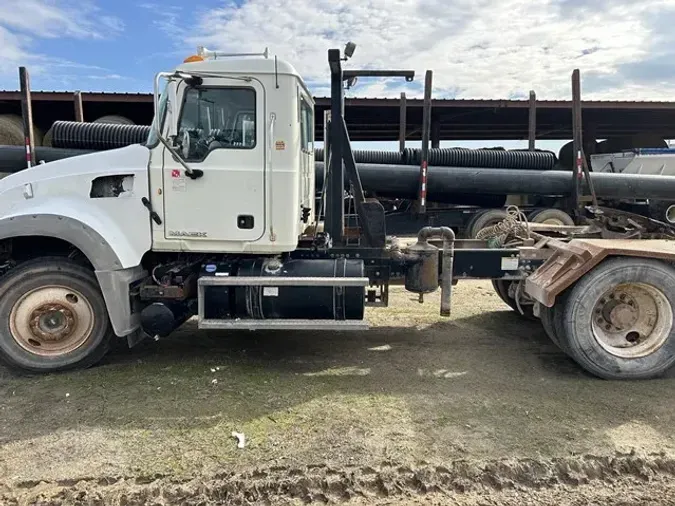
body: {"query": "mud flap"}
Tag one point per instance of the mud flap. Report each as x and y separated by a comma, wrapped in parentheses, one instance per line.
(372, 223)
(136, 337)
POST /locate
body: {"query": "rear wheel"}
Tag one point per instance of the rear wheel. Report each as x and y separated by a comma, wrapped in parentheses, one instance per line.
(551, 217)
(551, 320)
(483, 220)
(52, 317)
(617, 321)
(507, 291)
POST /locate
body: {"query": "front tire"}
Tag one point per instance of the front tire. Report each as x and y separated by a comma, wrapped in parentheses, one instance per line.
(617, 321)
(52, 317)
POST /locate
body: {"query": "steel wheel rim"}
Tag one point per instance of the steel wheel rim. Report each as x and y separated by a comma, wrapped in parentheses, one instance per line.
(51, 320)
(632, 320)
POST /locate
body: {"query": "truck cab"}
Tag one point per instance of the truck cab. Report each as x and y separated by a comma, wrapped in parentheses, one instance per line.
(246, 125)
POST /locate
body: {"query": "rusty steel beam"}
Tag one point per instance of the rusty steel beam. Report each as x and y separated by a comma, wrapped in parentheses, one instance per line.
(67, 96)
(532, 123)
(27, 115)
(79, 110)
(323, 102)
(403, 113)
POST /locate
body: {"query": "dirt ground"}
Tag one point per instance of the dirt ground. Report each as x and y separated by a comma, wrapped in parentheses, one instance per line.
(477, 409)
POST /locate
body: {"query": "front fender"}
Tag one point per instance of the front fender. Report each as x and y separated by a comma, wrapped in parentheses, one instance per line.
(95, 247)
(113, 235)
(114, 238)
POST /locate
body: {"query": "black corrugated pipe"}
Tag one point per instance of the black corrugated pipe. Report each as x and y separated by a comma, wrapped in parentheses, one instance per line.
(484, 157)
(98, 136)
(458, 157)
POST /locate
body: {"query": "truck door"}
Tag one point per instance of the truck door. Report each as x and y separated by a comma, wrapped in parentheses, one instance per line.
(221, 131)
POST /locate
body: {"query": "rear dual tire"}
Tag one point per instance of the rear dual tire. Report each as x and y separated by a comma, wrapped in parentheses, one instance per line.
(617, 321)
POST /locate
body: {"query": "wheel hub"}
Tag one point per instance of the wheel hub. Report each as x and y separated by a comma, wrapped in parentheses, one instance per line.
(51, 320)
(632, 320)
(617, 312)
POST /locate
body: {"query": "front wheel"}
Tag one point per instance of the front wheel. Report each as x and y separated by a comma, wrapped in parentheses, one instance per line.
(52, 317)
(617, 321)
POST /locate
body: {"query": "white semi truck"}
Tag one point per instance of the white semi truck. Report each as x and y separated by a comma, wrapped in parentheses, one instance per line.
(215, 216)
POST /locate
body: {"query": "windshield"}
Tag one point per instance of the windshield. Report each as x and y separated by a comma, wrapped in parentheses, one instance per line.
(160, 115)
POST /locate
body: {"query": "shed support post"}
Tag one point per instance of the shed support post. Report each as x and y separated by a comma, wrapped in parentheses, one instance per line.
(27, 114)
(532, 125)
(79, 111)
(402, 122)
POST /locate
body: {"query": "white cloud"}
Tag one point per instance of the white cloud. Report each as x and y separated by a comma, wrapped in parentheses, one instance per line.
(24, 21)
(477, 48)
(167, 18)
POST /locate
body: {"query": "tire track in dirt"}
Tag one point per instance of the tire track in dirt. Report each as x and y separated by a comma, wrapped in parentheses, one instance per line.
(585, 479)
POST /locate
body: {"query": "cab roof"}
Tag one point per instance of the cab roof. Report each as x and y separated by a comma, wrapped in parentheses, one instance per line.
(241, 65)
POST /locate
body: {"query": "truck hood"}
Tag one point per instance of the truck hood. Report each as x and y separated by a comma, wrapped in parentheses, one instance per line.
(129, 158)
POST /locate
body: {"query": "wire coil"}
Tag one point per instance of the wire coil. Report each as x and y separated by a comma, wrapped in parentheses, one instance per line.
(514, 227)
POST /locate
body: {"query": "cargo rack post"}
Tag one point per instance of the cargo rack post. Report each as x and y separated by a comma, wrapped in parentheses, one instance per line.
(421, 207)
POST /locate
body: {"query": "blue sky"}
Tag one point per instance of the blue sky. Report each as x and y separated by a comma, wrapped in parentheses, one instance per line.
(477, 48)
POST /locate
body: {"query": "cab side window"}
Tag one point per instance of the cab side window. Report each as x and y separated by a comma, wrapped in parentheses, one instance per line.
(216, 118)
(306, 126)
